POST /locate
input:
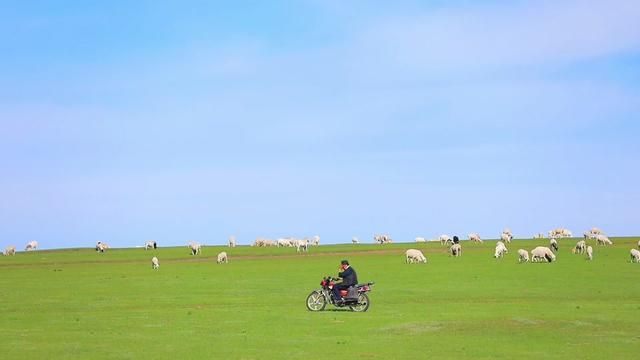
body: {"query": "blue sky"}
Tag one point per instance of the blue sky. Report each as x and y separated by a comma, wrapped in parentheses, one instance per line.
(175, 120)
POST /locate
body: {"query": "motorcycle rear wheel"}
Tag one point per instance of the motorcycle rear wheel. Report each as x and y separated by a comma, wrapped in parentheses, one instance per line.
(362, 305)
(316, 301)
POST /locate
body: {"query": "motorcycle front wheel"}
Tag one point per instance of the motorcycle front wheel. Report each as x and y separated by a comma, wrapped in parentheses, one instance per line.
(316, 301)
(362, 305)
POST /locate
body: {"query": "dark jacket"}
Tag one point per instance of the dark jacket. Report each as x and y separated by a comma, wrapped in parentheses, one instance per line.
(349, 276)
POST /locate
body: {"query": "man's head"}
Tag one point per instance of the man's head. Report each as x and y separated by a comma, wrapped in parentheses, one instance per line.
(344, 264)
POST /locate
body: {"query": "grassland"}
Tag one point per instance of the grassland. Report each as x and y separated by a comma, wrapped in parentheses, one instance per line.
(79, 304)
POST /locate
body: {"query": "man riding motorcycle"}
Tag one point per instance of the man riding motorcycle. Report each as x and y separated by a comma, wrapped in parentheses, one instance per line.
(349, 278)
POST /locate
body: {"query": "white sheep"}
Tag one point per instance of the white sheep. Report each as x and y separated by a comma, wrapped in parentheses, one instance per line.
(560, 233)
(301, 245)
(475, 237)
(222, 258)
(542, 253)
(523, 255)
(151, 244)
(315, 241)
(32, 245)
(500, 250)
(382, 239)
(354, 240)
(456, 250)
(506, 237)
(589, 252)
(580, 247)
(444, 239)
(101, 246)
(553, 244)
(596, 231)
(635, 255)
(284, 242)
(195, 247)
(155, 264)
(232, 241)
(603, 240)
(414, 255)
(9, 251)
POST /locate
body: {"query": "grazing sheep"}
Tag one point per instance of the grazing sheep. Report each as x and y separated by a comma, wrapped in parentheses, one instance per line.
(232, 241)
(560, 233)
(456, 250)
(9, 251)
(475, 237)
(101, 247)
(195, 247)
(506, 237)
(553, 244)
(302, 245)
(284, 242)
(444, 239)
(501, 249)
(596, 231)
(414, 255)
(151, 244)
(32, 245)
(523, 255)
(580, 247)
(354, 240)
(589, 252)
(420, 240)
(260, 242)
(603, 240)
(635, 255)
(222, 258)
(382, 239)
(155, 264)
(542, 253)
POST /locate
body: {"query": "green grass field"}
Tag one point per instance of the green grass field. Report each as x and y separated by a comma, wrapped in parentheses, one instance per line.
(80, 304)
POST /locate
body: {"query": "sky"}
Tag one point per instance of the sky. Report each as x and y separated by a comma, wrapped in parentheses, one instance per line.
(124, 121)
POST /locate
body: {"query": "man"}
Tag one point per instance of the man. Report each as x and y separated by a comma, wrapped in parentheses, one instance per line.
(349, 278)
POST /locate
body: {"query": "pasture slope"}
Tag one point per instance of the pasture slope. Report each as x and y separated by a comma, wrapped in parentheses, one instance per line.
(79, 304)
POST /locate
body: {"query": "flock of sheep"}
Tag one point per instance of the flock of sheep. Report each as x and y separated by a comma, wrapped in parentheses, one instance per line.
(301, 245)
(538, 254)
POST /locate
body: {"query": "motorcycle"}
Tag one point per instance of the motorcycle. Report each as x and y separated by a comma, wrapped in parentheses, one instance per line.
(355, 297)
